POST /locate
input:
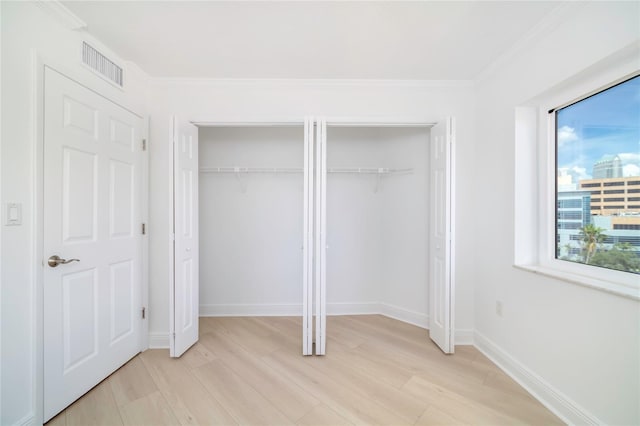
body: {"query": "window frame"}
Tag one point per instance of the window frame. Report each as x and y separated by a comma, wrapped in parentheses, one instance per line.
(538, 254)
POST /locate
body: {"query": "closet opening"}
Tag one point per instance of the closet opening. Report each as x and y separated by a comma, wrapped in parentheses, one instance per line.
(313, 218)
(251, 220)
(377, 221)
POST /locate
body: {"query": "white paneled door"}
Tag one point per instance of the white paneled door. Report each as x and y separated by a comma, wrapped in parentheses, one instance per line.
(92, 239)
(184, 309)
(441, 236)
(321, 236)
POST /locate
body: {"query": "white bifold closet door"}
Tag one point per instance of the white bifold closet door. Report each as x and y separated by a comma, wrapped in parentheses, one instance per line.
(441, 237)
(321, 237)
(308, 247)
(314, 247)
(184, 298)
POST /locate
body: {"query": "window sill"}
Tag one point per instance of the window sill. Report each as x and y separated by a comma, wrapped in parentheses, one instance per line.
(598, 284)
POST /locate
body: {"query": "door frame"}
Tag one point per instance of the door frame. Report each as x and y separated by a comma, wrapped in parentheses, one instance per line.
(412, 121)
(330, 121)
(36, 283)
(200, 122)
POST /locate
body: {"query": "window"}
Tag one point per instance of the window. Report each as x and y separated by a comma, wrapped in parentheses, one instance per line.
(544, 149)
(596, 145)
(567, 204)
(625, 226)
(570, 215)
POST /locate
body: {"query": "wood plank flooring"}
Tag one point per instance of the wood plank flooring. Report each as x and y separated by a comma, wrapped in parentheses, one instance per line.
(249, 370)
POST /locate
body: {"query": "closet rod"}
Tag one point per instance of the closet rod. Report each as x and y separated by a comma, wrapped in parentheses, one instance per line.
(369, 171)
(352, 170)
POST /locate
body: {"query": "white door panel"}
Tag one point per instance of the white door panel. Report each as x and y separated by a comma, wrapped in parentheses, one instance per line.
(308, 246)
(184, 308)
(440, 237)
(92, 212)
(321, 236)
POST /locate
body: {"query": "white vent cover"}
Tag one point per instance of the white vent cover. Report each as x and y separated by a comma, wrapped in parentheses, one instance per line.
(101, 64)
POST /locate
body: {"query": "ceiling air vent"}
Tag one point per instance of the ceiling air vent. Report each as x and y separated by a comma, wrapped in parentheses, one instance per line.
(101, 64)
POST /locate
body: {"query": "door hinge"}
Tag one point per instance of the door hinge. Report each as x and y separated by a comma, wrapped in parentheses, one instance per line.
(144, 144)
(144, 229)
(144, 312)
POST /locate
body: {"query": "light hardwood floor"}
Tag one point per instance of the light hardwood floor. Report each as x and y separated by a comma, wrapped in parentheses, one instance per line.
(250, 370)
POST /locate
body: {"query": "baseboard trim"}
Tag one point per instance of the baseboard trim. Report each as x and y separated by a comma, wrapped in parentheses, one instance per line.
(28, 420)
(251, 310)
(366, 308)
(464, 337)
(284, 310)
(404, 315)
(561, 405)
(158, 340)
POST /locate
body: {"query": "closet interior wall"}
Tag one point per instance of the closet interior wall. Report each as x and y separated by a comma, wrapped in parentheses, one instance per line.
(251, 221)
(377, 224)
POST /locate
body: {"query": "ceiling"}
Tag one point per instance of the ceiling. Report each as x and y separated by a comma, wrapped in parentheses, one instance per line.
(311, 39)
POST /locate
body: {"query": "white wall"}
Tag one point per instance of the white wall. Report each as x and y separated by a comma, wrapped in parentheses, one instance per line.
(354, 222)
(26, 27)
(255, 100)
(405, 215)
(581, 342)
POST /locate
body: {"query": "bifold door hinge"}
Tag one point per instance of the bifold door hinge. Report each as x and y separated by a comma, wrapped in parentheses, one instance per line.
(144, 229)
(144, 312)
(144, 144)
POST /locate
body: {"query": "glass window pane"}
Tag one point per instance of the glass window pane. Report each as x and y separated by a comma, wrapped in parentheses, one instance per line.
(598, 154)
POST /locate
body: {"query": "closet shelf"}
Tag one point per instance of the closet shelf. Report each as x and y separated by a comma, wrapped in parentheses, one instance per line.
(351, 170)
(250, 170)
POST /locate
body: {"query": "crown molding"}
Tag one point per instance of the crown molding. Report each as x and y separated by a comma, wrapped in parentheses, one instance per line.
(552, 20)
(59, 11)
(304, 83)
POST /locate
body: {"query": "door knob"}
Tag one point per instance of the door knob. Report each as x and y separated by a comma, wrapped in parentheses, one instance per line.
(56, 260)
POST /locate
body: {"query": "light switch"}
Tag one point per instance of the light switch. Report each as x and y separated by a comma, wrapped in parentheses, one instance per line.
(14, 214)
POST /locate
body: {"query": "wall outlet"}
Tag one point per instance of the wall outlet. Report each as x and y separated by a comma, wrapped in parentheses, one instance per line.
(499, 308)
